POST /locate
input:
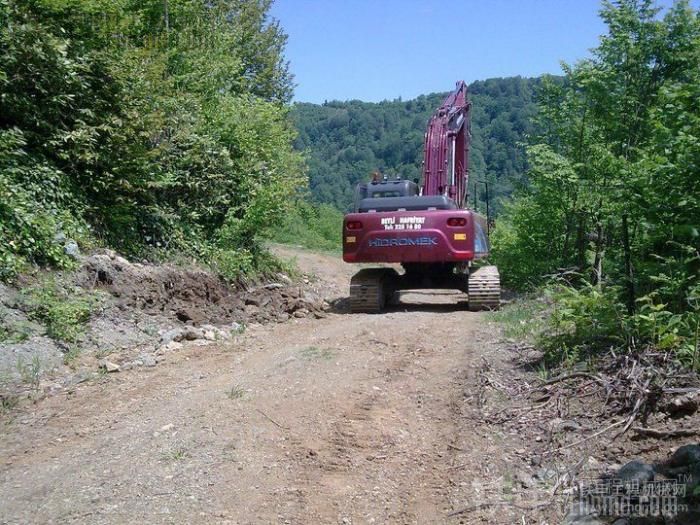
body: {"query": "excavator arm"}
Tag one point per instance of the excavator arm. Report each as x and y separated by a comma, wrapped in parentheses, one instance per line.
(446, 151)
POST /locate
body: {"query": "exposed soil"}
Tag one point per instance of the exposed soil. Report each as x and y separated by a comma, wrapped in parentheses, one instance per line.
(191, 295)
(137, 308)
(387, 418)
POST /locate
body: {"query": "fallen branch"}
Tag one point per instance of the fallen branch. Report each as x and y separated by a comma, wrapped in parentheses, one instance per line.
(479, 506)
(681, 390)
(271, 420)
(575, 443)
(574, 375)
(654, 433)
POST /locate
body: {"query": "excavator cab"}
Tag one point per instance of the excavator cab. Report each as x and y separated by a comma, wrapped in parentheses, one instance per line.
(383, 188)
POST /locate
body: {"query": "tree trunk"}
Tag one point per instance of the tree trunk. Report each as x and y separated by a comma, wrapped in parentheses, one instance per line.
(166, 16)
(629, 278)
(597, 274)
(581, 241)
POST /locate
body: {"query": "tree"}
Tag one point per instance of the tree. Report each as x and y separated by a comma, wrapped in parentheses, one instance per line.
(152, 124)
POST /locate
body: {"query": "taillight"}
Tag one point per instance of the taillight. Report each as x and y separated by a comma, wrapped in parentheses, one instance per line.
(353, 225)
(456, 221)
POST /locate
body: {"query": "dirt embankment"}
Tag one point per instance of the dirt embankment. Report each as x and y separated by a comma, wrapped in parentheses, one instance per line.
(135, 311)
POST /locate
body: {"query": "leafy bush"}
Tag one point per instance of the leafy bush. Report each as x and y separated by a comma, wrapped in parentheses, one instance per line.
(32, 222)
(582, 322)
(522, 319)
(613, 194)
(64, 312)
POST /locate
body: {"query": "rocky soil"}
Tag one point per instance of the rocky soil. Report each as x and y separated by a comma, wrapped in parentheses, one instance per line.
(143, 311)
(423, 414)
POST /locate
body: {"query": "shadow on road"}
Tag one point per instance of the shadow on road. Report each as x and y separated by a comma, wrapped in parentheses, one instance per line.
(413, 301)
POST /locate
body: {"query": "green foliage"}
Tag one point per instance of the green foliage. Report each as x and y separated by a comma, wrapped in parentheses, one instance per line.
(347, 141)
(582, 321)
(614, 195)
(31, 218)
(313, 353)
(312, 226)
(237, 265)
(71, 356)
(236, 392)
(64, 312)
(13, 332)
(528, 241)
(148, 125)
(585, 321)
(523, 319)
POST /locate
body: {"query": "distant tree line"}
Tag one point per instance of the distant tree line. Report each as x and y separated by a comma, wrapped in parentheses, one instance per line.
(346, 141)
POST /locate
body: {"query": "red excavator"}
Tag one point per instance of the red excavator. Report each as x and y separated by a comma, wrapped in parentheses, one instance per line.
(427, 229)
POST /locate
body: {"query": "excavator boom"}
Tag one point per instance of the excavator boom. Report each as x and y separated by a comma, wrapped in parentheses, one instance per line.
(446, 150)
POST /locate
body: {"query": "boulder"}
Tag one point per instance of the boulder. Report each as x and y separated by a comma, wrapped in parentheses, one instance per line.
(109, 367)
(636, 471)
(685, 456)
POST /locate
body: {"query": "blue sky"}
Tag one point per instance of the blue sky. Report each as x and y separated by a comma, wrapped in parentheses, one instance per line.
(373, 50)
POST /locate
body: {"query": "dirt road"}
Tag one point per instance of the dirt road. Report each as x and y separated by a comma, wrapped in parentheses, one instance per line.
(344, 419)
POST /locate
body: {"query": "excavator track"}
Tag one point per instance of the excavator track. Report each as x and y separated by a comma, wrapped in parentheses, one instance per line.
(369, 289)
(484, 289)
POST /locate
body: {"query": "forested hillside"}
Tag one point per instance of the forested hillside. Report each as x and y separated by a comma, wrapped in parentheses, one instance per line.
(153, 127)
(346, 141)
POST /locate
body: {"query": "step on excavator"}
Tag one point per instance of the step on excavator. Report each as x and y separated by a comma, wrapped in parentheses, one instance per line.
(426, 228)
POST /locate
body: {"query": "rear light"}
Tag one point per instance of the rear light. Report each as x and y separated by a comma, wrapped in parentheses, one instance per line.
(456, 221)
(353, 225)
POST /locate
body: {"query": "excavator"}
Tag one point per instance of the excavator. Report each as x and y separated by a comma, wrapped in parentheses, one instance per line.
(425, 228)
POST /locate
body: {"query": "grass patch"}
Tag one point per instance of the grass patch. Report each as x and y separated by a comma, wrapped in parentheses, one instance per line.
(236, 392)
(30, 372)
(8, 402)
(13, 332)
(313, 353)
(176, 454)
(243, 265)
(317, 227)
(238, 330)
(71, 356)
(64, 312)
(524, 319)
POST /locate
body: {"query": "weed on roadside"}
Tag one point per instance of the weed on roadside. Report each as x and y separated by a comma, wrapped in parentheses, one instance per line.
(522, 319)
(238, 330)
(176, 454)
(102, 353)
(236, 392)
(13, 333)
(64, 312)
(30, 372)
(8, 402)
(313, 353)
(71, 355)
